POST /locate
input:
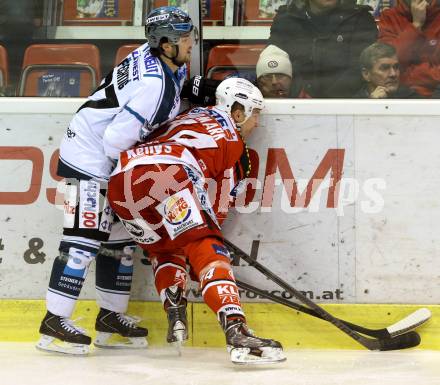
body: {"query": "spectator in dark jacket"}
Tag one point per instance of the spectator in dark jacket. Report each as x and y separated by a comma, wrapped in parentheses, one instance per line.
(19, 20)
(381, 74)
(324, 39)
(275, 77)
(413, 28)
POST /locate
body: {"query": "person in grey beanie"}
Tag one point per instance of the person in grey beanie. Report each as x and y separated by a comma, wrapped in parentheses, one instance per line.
(275, 77)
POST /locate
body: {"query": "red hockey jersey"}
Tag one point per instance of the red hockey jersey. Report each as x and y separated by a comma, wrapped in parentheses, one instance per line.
(207, 141)
(204, 138)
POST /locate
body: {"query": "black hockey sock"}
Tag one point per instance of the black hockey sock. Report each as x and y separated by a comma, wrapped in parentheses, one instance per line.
(114, 272)
(64, 279)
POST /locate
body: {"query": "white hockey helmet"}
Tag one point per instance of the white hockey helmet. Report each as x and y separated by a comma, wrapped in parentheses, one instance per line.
(241, 91)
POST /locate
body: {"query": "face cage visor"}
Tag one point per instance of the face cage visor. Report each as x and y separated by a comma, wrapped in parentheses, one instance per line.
(183, 29)
(175, 35)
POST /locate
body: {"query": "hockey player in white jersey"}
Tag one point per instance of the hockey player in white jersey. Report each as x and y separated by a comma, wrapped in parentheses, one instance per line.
(137, 96)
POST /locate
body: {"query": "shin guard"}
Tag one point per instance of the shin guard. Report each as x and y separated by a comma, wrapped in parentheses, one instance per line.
(210, 261)
(66, 281)
(220, 291)
(114, 274)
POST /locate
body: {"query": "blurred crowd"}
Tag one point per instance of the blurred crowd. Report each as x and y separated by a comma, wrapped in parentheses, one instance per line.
(316, 48)
(334, 49)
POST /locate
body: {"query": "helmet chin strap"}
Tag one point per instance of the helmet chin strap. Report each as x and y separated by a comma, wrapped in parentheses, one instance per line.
(173, 59)
(243, 122)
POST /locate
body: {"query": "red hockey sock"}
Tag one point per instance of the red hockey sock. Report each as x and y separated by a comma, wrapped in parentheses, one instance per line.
(220, 292)
(210, 261)
(169, 271)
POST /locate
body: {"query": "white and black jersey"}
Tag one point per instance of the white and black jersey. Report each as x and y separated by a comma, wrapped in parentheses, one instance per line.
(139, 95)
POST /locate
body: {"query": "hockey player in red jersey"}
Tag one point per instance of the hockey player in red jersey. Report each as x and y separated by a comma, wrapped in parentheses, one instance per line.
(159, 191)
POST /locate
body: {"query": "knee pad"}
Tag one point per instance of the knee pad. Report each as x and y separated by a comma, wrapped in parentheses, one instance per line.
(76, 262)
(205, 251)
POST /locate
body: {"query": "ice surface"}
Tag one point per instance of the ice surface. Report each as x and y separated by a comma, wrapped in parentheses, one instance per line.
(22, 364)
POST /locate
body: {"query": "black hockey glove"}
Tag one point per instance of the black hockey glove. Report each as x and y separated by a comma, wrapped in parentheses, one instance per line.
(200, 90)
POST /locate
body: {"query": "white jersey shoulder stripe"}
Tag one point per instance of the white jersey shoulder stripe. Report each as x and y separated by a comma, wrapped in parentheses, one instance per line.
(153, 76)
(162, 90)
(135, 114)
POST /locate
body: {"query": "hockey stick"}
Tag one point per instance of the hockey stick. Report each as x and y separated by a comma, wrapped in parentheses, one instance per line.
(403, 341)
(412, 321)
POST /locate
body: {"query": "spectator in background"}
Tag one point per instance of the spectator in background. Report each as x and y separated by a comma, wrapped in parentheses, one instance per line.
(18, 21)
(324, 39)
(413, 28)
(381, 74)
(275, 75)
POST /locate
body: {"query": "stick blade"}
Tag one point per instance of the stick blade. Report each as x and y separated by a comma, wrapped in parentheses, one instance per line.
(414, 320)
(403, 341)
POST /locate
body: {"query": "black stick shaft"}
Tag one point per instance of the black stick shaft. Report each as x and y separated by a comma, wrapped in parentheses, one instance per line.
(406, 340)
(379, 333)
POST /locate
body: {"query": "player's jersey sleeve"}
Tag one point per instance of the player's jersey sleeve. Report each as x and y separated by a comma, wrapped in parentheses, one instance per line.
(128, 126)
(153, 101)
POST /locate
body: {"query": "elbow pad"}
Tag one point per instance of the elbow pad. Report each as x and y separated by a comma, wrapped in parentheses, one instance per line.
(200, 90)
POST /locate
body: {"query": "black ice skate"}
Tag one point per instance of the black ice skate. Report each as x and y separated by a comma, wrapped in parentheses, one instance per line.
(59, 334)
(110, 323)
(175, 305)
(246, 348)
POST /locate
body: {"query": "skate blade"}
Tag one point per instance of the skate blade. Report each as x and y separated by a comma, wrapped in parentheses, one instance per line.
(51, 344)
(178, 345)
(181, 337)
(243, 356)
(115, 341)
